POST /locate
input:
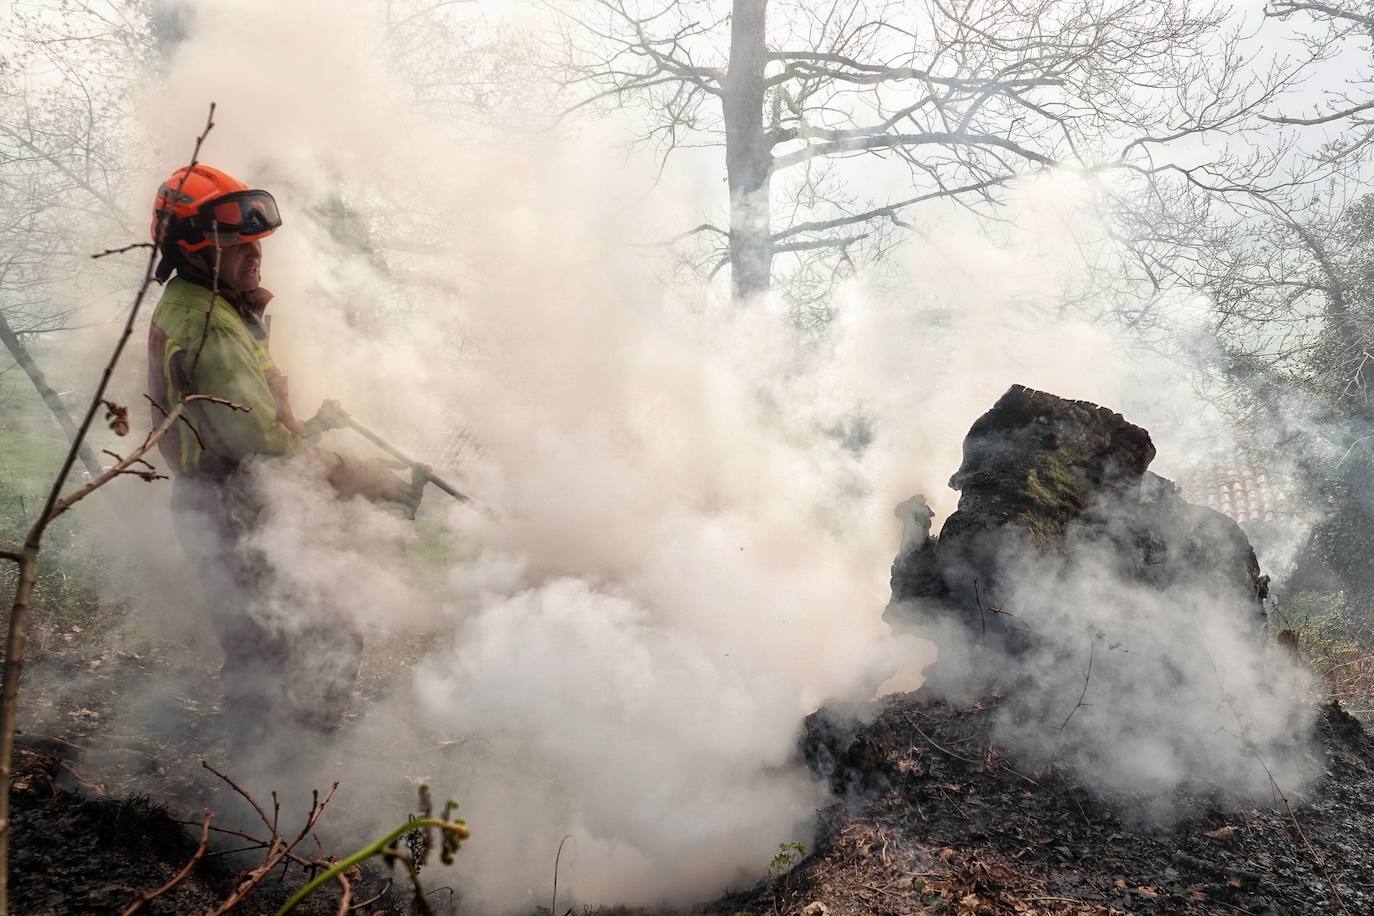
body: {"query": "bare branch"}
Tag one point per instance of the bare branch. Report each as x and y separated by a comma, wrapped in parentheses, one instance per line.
(887, 141)
(148, 896)
(36, 533)
(19, 614)
(121, 250)
(1320, 119)
(124, 465)
(891, 210)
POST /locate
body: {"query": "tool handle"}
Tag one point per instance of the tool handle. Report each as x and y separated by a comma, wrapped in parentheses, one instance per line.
(443, 484)
(333, 416)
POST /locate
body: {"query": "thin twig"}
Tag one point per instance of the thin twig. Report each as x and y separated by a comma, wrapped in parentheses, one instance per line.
(243, 793)
(210, 310)
(184, 419)
(1006, 613)
(1087, 677)
(558, 857)
(98, 398)
(136, 457)
(1250, 746)
(130, 247)
(939, 748)
(149, 896)
(346, 897)
(378, 896)
(258, 843)
(278, 850)
(19, 613)
(982, 617)
(1319, 860)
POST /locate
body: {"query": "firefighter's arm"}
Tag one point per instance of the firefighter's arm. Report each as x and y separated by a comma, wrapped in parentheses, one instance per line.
(227, 369)
(231, 371)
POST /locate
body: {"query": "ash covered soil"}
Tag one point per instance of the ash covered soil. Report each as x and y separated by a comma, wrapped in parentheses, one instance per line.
(937, 820)
(108, 804)
(931, 818)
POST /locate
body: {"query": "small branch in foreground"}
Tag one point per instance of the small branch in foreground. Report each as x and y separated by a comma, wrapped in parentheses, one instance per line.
(1297, 827)
(28, 567)
(123, 466)
(189, 425)
(1249, 745)
(375, 897)
(558, 858)
(278, 850)
(1087, 679)
(452, 833)
(121, 250)
(346, 897)
(210, 310)
(149, 896)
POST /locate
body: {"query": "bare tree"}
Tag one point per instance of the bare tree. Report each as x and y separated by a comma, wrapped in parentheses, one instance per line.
(946, 99)
(449, 54)
(1344, 29)
(65, 78)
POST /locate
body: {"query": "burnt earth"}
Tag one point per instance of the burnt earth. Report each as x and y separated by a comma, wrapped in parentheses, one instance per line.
(88, 838)
(75, 854)
(79, 853)
(936, 819)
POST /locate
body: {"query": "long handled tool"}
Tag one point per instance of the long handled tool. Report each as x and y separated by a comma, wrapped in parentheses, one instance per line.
(333, 416)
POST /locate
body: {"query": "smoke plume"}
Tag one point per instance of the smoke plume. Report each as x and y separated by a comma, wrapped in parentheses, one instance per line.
(686, 520)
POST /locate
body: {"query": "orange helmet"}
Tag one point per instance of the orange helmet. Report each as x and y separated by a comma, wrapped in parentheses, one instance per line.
(203, 206)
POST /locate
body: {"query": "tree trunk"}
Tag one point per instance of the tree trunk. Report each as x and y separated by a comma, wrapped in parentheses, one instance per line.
(747, 153)
(46, 392)
(9, 701)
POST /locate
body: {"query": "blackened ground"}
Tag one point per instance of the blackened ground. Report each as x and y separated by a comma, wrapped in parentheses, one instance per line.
(73, 853)
(940, 821)
(87, 837)
(936, 820)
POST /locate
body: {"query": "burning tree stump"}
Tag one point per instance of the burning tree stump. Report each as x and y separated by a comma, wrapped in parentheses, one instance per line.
(1044, 479)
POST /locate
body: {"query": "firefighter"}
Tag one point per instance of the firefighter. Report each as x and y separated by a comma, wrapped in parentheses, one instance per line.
(295, 667)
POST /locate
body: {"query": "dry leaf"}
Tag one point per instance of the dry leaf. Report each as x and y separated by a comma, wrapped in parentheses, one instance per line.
(1147, 891)
(118, 418)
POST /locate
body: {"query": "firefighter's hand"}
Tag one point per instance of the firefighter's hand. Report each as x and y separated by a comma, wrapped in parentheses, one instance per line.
(375, 481)
(330, 416)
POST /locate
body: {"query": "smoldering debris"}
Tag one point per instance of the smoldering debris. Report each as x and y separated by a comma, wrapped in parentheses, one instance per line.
(1125, 625)
(1106, 729)
(945, 822)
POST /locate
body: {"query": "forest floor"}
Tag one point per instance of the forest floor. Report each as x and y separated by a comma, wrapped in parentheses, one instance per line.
(942, 822)
(106, 807)
(934, 819)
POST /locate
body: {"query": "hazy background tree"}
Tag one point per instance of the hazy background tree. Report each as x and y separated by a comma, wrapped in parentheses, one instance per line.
(1340, 30)
(824, 108)
(67, 78)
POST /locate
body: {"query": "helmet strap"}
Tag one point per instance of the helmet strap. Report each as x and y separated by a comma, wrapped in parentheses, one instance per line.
(171, 260)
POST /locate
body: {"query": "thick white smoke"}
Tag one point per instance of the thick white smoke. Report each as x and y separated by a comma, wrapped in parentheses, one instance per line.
(684, 554)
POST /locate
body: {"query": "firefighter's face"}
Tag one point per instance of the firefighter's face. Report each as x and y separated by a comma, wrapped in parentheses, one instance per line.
(240, 266)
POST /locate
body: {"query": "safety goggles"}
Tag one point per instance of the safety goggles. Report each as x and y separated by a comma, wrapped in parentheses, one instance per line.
(235, 218)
